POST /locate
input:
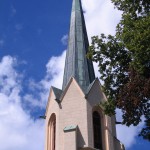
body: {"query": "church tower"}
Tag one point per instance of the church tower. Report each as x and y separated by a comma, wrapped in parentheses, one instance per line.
(74, 121)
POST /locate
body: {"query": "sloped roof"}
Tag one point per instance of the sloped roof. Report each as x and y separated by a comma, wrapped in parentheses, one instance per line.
(77, 65)
(57, 93)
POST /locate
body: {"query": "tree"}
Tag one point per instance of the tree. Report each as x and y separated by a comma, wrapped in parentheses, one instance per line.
(124, 64)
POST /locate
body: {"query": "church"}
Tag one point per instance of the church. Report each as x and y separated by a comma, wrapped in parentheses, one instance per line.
(74, 120)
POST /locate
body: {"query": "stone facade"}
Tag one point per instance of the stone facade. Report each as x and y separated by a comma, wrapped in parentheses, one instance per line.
(75, 109)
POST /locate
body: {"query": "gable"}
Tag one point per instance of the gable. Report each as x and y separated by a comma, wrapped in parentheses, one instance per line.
(72, 104)
(95, 94)
(72, 85)
(74, 111)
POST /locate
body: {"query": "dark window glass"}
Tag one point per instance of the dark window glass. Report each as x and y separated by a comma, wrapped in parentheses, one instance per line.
(54, 133)
(97, 130)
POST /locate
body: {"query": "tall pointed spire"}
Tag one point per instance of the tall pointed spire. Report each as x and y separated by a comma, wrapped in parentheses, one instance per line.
(77, 65)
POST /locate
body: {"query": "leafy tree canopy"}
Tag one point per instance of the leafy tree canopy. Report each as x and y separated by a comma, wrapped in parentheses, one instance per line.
(124, 64)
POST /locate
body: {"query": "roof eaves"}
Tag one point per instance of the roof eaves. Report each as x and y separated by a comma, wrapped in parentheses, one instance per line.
(57, 93)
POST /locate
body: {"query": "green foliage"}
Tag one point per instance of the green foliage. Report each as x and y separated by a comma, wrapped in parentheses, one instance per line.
(145, 131)
(133, 7)
(109, 107)
(124, 64)
(135, 34)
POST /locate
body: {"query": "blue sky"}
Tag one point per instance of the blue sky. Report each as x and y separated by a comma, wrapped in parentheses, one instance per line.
(33, 36)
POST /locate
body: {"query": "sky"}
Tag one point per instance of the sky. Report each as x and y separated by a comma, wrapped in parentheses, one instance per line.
(33, 43)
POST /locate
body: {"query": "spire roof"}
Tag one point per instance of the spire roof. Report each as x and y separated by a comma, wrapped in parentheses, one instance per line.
(77, 65)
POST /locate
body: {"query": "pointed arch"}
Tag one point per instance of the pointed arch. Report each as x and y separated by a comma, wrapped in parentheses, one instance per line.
(97, 130)
(52, 132)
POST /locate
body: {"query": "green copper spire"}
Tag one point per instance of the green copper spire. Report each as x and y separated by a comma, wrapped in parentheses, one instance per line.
(77, 65)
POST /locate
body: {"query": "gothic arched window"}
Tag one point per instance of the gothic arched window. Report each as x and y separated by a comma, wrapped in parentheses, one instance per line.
(97, 130)
(52, 132)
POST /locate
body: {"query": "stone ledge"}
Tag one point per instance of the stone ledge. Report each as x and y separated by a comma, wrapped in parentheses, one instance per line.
(70, 128)
(87, 148)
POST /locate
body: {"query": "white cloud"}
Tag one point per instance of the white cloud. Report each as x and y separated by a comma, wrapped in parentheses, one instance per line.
(54, 77)
(17, 129)
(97, 74)
(100, 17)
(55, 69)
(64, 39)
(8, 76)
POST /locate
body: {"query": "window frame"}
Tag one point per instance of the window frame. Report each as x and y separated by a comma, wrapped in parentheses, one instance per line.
(52, 132)
(99, 127)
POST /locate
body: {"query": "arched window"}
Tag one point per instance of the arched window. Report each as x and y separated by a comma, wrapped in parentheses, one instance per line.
(97, 130)
(52, 132)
